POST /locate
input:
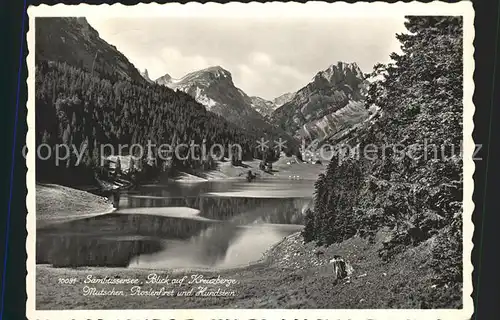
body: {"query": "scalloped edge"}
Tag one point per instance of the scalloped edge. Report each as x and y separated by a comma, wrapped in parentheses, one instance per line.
(463, 8)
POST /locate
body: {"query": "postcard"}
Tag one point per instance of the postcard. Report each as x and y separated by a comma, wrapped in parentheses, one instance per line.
(250, 161)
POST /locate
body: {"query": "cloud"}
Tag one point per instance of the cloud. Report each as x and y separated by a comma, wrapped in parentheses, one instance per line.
(260, 59)
(247, 78)
(263, 76)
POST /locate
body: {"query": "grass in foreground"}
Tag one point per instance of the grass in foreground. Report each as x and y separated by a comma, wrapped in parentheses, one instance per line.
(289, 276)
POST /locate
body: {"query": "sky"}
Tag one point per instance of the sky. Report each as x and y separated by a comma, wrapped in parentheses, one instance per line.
(266, 57)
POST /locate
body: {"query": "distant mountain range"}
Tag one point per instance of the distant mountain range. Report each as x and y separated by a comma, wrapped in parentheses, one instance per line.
(214, 88)
(200, 79)
(284, 98)
(263, 106)
(267, 107)
(332, 101)
(89, 93)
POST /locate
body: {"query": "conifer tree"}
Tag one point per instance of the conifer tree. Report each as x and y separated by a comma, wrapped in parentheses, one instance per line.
(421, 100)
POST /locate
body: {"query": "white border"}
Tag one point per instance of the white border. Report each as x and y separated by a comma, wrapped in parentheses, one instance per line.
(276, 10)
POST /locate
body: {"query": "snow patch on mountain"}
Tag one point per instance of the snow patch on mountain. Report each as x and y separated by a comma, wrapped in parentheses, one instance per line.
(204, 100)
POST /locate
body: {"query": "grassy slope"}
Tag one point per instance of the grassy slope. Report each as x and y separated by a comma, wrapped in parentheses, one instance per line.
(54, 202)
(284, 168)
(290, 276)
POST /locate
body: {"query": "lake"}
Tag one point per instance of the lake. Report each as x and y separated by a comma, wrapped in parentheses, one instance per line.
(202, 225)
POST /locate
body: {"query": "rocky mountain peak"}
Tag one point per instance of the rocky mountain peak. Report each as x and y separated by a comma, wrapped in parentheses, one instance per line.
(82, 20)
(75, 42)
(214, 88)
(145, 75)
(284, 98)
(339, 72)
(164, 80)
(330, 103)
(262, 106)
(218, 72)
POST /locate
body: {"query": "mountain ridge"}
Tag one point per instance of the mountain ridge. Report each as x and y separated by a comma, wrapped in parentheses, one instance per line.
(316, 110)
(282, 99)
(76, 42)
(84, 100)
(146, 77)
(263, 106)
(214, 88)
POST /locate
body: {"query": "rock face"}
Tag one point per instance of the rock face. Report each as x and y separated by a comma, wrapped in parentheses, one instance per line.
(284, 98)
(164, 80)
(214, 88)
(75, 42)
(146, 77)
(263, 106)
(267, 107)
(331, 102)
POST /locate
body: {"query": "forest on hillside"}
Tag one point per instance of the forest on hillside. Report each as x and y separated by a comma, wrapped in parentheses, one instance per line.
(416, 198)
(75, 107)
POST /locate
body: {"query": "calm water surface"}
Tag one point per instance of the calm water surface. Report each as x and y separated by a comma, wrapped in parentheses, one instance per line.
(198, 225)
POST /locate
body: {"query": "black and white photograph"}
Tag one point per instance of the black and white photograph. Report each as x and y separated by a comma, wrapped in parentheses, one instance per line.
(276, 156)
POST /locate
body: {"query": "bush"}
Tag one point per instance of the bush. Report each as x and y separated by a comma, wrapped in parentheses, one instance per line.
(447, 261)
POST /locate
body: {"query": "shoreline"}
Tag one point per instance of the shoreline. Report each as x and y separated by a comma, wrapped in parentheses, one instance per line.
(288, 271)
(56, 203)
(286, 168)
(265, 258)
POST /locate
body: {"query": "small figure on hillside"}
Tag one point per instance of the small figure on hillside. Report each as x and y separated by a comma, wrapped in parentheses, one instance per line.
(341, 268)
(118, 167)
(319, 253)
(115, 198)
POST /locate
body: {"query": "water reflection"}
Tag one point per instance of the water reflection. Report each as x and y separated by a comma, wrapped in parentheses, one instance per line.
(223, 246)
(77, 250)
(180, 226)
(271, 210)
